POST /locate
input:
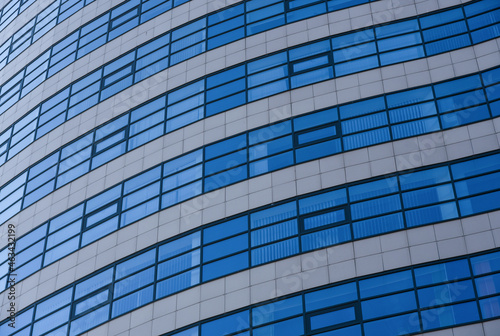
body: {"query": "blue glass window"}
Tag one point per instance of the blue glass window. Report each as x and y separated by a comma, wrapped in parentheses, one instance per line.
(137, 263)
(178, 264)
(386, 284)
(479, 203)
(225, 247)
(324, 219)
(428, 196)
(292, 327)
(375, 207)
(331, 296)
(225, 229)
(272, 215)
(378, 225)
(327, 237)
(274, 232)
(226, 325)
(475, 166)
(443, 294)
(179, 246)
(277, 310)
(340, 316)
(275, 251)
(430, 214)
(424, 178)
(373, 189)
(393, 326)
(490, 307)
(177, 283)
(225, 266)
(449, 315)
(486, 263)
(322, 201)
(389, 305)
(449, 271)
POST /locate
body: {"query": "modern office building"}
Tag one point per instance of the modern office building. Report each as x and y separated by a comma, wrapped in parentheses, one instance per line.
(259, 167)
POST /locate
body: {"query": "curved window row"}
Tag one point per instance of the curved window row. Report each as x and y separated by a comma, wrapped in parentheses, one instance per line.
(464, 290)
(89, 37)
(216, 93)
(47, 19)
(346, 127)
(113, 23)
(333, 216)
(250, 17)
(405, 302)
(11, 10)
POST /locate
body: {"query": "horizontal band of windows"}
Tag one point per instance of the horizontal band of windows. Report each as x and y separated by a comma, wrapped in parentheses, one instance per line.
(193, 102)
(318, 134)
(309, 222)
(47, 19)
(305, 67)
(186, 41)
(408, 301)
(11, 10)
(59, 11)
(378, 298)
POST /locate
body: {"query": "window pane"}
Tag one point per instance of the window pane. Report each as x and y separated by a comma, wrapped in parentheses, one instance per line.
(326, 237)
(375, 207)
(225, 229)
(225, 247)
(275, 251)
(225, 266)
(324, 219)
(277, 310)
(332, 318)
(331, 296)
(89, 321)
(373, 189)
(322, 201)
(490, 307)
(449, 271)
(292, 327)
(178, 246)
(486, 263)
(137, 280)
(274, 214)
(91, 302)
(440, 295)
(141, 261)
(226, 325)
(93, 283)
(428, 195)
(274, 232)
(476, 166)
(393, 326)
(488, 285)
(389, 305)
(480, 203)
(450, 315)
(386, 284)
(431, 214)
(177, 283)
(424, 178)
(378, 225)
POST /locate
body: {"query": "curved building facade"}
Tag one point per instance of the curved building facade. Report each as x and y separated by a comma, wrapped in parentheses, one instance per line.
(258, 167)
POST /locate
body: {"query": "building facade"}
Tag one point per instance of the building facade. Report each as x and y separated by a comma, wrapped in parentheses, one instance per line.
(258, 167)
